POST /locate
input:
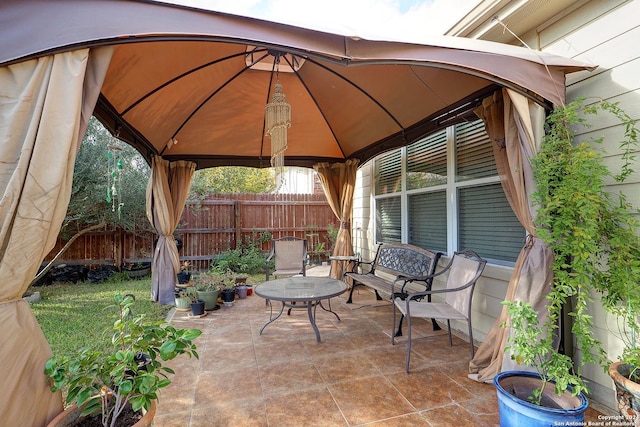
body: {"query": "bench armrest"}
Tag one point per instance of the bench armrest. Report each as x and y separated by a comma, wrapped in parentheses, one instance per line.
(357, 263)
(415, 295)
(400, 282)
(423, 278)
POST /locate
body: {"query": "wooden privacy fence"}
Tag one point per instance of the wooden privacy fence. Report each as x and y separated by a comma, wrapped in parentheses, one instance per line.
(211, 227)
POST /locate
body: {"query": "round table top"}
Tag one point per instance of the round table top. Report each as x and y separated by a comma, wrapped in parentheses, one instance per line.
(300, 288)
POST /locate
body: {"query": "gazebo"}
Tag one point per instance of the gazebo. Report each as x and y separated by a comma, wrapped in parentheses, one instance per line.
(188, 88)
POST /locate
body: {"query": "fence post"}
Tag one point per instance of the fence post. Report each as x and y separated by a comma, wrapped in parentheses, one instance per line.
(238, 222)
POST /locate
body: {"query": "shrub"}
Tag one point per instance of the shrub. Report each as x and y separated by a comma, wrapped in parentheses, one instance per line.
(248, 258)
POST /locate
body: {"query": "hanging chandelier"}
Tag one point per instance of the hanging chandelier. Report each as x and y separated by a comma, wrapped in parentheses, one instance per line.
(277, 121)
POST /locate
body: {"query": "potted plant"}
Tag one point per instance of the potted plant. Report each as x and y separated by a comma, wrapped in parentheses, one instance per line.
(228, 289)
(183, 303)
(596, 249)
(184, 297)
(524, 395)
(184, 275)
(208, 287)
(195, 303)
(104, 384)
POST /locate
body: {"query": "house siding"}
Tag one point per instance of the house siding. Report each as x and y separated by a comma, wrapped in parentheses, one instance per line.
(363, 241)
(606, 34)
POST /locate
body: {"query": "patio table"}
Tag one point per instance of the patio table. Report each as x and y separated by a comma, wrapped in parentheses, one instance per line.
(300, 292)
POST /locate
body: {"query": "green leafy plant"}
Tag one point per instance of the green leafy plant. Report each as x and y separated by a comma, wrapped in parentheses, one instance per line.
(248, 258)
(208, 281)
(531, 346)
(132, 373)
(189, 294)
(594, 241)
(228, 280)
(332, 235)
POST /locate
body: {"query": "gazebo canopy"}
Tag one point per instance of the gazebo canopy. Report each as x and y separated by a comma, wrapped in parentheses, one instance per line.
(188, 89)
(192, 85)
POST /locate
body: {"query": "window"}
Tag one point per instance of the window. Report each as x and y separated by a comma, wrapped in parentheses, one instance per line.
(443, 193)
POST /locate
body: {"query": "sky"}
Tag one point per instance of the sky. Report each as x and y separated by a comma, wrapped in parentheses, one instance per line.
(400, 20)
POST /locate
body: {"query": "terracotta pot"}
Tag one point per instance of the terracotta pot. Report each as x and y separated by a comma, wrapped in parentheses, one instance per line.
(627, 392)
(71, 415)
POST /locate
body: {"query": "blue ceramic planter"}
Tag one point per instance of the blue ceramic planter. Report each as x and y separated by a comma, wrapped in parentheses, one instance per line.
(518, 412)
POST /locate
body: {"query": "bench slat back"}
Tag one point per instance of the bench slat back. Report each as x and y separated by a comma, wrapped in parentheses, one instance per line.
(406, 260)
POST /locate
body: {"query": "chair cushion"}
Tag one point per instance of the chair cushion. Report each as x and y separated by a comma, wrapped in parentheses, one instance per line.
(430, 310)
(287, 272)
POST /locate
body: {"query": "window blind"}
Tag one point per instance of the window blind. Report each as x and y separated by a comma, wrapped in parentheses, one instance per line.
(427, 161)
(428, 220)
(474, 154)
(388, 220)
(388, 173)
(487, 224)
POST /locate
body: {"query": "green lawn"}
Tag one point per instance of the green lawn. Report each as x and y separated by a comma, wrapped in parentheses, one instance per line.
(77, 315)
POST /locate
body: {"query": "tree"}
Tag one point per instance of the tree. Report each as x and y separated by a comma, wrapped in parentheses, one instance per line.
(109, 188)
(231, 179)
(109, 184)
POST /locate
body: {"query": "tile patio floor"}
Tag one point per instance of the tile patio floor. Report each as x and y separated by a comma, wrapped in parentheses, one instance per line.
(354, 377)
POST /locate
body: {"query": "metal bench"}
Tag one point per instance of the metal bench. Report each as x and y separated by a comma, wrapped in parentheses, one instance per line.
(396, 263)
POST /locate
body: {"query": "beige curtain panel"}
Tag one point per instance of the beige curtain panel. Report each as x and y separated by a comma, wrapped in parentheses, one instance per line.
(515, 126)
(338, 182)
(167, 192)
(45, 105)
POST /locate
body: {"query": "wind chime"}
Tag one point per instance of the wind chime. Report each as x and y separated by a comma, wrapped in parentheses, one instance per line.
(114, 186)
(277, 121)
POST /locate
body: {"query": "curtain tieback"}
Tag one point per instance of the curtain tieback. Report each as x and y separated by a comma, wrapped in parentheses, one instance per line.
(530, 240)
(344, 225)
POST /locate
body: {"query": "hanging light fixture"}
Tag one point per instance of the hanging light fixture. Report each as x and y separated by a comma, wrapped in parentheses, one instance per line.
(277, 121)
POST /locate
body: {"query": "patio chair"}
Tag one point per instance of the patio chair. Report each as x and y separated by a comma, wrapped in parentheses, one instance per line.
(463, 270)
(290, 255)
